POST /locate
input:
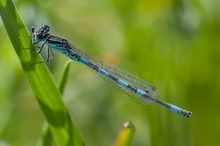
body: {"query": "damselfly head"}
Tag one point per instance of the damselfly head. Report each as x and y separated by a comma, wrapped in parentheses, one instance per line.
(42, 32)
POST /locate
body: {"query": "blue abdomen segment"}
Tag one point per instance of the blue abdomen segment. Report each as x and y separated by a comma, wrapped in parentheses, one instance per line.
(84, 61)
(180, 111)
(122, 82)
(104, 72)
(175, 109)
(140, 92)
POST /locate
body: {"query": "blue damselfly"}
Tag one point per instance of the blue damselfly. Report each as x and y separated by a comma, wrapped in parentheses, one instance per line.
(126, 83)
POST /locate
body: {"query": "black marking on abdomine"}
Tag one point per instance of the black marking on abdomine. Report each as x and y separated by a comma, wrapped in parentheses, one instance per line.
(93, 66)
(132, 88)
(113, 77)
(76, 57)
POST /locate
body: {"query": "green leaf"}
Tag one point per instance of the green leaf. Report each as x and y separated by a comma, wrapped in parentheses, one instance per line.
(46, 138)
(126, 135)
(43, 85)
(64, 75)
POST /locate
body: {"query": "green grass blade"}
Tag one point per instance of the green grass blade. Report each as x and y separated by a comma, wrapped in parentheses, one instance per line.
(126, 135)
(43, 86)
(46, 138)
(64, 76)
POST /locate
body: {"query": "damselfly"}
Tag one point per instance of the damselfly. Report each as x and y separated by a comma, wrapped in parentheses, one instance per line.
(125, 83)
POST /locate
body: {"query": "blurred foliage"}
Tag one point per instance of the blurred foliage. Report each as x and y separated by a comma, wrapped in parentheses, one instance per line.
(61, 126)
(172, 44)
(126, 135)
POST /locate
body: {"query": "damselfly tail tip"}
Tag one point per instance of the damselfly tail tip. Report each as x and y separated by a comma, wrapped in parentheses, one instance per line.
(180, 111)
(189, 114)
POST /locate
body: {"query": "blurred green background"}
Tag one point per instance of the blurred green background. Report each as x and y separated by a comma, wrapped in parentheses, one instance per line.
(172, 44)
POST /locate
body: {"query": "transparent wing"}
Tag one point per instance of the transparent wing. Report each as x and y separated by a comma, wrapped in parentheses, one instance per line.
(120, 74)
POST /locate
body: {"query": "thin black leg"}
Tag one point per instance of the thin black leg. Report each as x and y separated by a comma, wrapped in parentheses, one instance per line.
(41, 47)
(48, 54)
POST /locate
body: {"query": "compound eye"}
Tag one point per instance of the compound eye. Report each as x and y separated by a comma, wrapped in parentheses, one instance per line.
(46, 28)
